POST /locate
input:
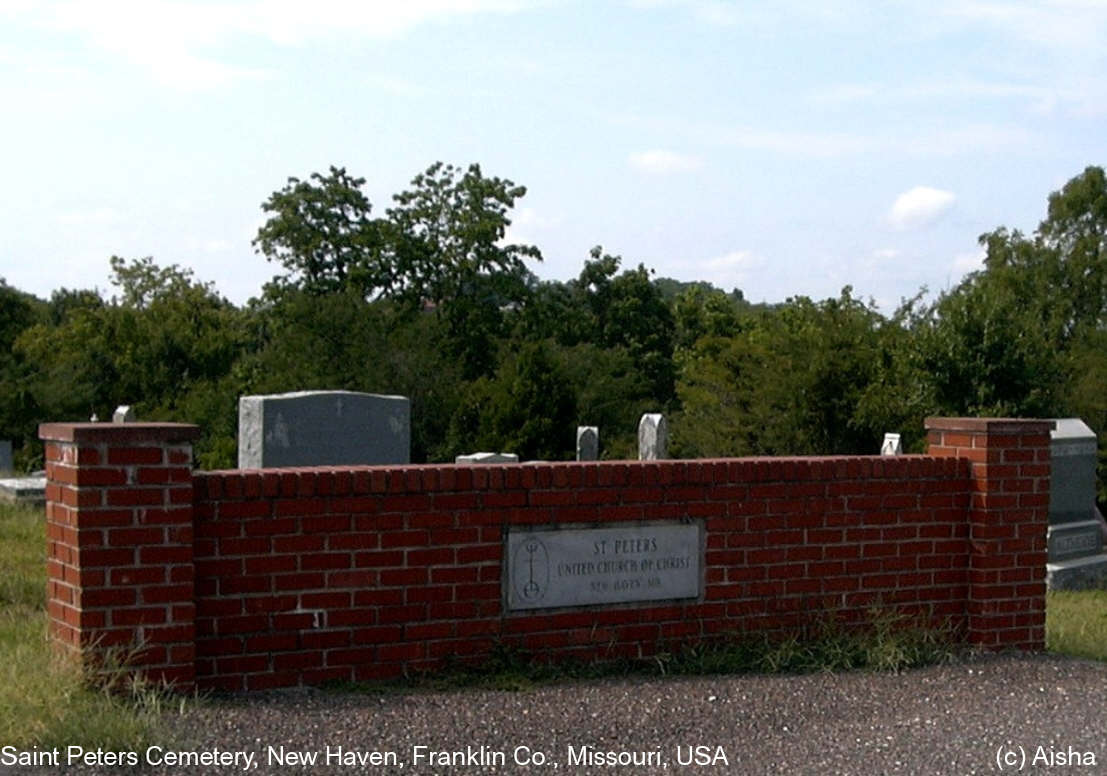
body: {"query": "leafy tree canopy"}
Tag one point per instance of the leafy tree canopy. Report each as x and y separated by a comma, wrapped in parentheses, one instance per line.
(442, 241)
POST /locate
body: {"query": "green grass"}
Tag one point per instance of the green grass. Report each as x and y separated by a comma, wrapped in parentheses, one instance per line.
(45, 700)
(1076, 623)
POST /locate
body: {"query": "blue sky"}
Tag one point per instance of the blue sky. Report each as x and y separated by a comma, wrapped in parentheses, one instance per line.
(782, 148)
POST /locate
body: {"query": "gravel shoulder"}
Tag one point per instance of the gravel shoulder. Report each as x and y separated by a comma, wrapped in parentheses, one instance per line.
(951, 719)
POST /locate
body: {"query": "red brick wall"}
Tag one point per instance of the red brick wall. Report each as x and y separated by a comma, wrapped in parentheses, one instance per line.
(1008, 515)
(299, 576)
(119, 541)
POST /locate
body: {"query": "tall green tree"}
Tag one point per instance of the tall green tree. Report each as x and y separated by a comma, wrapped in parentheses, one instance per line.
(321, 232)
(626, 310)
(528, 408)
(1003, 341)
(452, 226)
(342, 341)
(19, 409)
(441, 246)
(164, 343)
(788, 381)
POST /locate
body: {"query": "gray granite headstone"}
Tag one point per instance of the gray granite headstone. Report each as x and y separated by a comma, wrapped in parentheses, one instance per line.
(322, 428)
(653, 437)
(5, 456)
(487, 458)
(1075, 540)
(588, 443)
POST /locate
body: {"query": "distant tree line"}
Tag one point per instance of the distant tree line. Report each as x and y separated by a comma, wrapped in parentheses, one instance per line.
(428, 300)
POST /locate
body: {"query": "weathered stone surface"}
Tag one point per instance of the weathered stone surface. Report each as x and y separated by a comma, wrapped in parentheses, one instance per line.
(1075, 540)
(23, 490)
(1078, 573)
(653, 437)
(487, 458)
(320, 428)
(1072, 483)
(592, 566)
(588, 443)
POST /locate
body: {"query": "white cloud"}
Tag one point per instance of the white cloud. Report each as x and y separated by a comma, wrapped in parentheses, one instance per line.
(16, 6)
(660, 161)
(728, 13)
(525, 222)
(970, 138)
(1080, 97)
(884, 254)
(718, 13)
(401, 87)
(730, 269)
(98, 216)
(964, 263)
(180, 44)
(845, 94)
(919, 207)
(293, 21)
(734, 259)
(1065, 25)
(166, 40)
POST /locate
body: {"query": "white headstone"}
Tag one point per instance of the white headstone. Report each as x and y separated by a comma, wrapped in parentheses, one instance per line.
(124, 413)
(653, 437)
(892, 445)
(588, 443)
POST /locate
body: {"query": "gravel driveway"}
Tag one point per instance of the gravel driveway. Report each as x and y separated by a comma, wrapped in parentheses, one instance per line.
(969, 717)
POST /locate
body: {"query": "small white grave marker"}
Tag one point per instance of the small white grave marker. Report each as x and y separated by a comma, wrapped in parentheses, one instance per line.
(653, 437)
(892, 445)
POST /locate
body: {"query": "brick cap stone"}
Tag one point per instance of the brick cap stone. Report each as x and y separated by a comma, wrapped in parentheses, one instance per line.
(115, 433)
(991, 425)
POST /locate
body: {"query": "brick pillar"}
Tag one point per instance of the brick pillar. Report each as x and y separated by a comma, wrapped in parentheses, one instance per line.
(119, 542)
(1008, 520)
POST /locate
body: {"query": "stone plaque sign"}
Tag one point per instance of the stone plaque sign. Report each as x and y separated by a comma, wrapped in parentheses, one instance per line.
(592, 566)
